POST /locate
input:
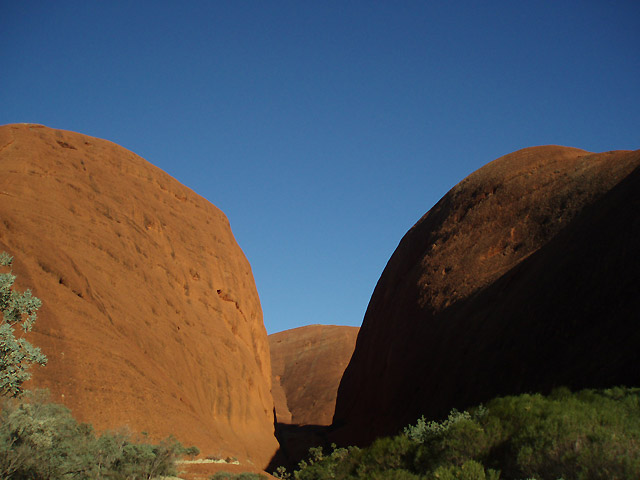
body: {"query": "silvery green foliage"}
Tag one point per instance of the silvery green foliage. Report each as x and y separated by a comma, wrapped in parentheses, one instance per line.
(16, 354)
(41, 440)
(424, 431)
(5, 259)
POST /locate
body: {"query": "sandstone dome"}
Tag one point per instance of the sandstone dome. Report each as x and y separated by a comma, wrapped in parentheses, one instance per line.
(151, 318)
(524, 277)
(308, 363)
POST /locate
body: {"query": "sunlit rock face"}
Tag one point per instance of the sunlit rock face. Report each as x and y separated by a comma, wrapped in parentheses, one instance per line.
(524, 277)
(151, 318)
(308, 363)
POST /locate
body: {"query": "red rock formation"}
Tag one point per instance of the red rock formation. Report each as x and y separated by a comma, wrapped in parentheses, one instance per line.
(308, 363)
(524, 277)
(151, 317)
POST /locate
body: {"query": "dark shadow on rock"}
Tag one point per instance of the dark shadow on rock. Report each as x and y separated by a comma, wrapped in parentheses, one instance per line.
(565, 316)
(295, 442)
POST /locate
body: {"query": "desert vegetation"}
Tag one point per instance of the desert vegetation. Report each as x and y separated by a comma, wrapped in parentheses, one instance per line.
(42, 440)
(17, 355)
(586, 435)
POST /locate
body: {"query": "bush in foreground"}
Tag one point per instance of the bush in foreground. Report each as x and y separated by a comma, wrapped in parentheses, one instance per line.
(588, 435)
(42, 440)
(17, 309)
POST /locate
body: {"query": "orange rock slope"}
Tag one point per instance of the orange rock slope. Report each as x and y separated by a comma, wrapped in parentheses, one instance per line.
(524, 277)
(308, 363)
(151, 318)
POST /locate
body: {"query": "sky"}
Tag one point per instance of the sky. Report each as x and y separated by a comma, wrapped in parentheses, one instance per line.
(324, 129)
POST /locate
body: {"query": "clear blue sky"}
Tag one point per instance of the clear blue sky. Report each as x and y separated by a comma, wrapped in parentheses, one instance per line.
(324, 129)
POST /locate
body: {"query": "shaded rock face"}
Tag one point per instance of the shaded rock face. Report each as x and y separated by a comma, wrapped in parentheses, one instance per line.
(151, 318)
(308, 363)
(524, 277)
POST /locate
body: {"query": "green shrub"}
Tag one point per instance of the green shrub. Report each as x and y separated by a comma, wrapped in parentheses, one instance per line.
(469, 470)
(16, 353)
(424, 431)
(42, 440)
(452, 442)
(390, 453)
(237, 476)
(281, 472)
(340, 463)
(392, 475)
(588, 435)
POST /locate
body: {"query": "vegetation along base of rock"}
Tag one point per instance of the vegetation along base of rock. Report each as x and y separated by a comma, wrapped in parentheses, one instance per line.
(42, 440)
(587, 435)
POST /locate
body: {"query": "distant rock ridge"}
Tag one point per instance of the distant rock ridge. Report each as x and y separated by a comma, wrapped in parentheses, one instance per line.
(308, 363)
(151, 318)
(524, 277)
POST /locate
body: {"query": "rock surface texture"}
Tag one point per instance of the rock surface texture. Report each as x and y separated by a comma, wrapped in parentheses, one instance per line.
(524, 277)
(308, 363)
(151, 318)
